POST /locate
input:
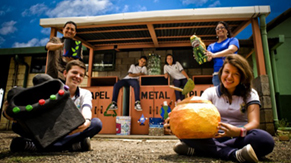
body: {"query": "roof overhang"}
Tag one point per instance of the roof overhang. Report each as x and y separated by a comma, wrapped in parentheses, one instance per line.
(156, 29)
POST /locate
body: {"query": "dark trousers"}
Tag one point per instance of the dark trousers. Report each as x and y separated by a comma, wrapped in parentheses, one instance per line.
(67, 141)
(126, 82)
(179, 83)
(261, 141)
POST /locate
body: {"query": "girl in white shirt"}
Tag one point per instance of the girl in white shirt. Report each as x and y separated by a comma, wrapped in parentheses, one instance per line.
(175, 70)
(239, 138)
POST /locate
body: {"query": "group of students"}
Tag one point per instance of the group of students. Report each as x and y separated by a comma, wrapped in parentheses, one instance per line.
(238, 139)
(172, 68)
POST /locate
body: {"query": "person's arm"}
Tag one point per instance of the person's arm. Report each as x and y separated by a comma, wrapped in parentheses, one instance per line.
(185, 74)
(253, 117)
(143, 72)
(54, 46)
(5, 106)
(167, 126)
(167, 75)
(233, 131)
(135, 75)
(181, 69)
(230, 50)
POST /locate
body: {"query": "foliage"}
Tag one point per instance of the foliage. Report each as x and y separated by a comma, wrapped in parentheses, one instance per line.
(283, 123)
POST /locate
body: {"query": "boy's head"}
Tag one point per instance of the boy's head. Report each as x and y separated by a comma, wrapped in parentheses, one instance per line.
(75, 72)
(142, 61)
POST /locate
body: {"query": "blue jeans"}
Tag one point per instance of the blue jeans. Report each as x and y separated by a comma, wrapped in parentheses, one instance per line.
(215, 80)
(126, 82)
(67, 141)
(179, 83)
(261, 141)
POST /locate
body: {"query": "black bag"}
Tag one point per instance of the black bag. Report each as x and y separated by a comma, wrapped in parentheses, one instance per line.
(45, 111)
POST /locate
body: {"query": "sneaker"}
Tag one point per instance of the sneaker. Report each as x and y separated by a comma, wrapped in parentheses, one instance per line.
(83, 145)
(113, 106)
(182, 149)
(137, 106)
(21, 144)
(246, 154)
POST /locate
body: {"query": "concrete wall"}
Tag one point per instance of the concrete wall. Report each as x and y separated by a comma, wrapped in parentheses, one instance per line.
(125, 59)
(283, 56)
(262, 86)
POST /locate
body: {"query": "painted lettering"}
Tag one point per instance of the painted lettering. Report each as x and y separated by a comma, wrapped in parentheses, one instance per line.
(167, 95)
(194, 93)
(144, 95)
(161, 96)
(101, 95)
(154, 95)
(151, 95)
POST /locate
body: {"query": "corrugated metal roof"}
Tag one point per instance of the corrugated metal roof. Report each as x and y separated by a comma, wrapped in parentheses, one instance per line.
(154, 29)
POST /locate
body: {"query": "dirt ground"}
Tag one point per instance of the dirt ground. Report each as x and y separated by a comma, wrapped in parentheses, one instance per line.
(109, 150)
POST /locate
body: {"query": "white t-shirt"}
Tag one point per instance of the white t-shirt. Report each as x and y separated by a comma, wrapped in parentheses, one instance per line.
(234, 113)
(83, 97)
(135, 69)
(174, 71)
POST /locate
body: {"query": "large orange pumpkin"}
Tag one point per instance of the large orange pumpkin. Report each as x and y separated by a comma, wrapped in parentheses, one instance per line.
(194, 118)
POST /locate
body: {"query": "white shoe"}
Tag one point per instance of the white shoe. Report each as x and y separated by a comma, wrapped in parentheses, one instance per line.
(113, 106)
(246, 154)
(137, 106)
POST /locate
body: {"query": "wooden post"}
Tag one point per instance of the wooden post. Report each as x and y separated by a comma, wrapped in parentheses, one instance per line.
(258, 47)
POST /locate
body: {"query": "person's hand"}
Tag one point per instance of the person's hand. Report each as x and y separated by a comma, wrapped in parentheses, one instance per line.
(209, 55)
(81, 128)
(5, 106)
(209, 59)
(167, 125)
(228, 130)
(166, 76)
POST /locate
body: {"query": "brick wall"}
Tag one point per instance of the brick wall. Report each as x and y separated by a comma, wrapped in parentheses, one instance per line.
(261, 84)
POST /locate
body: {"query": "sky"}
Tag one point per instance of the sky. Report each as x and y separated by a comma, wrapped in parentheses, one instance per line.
(19, 19)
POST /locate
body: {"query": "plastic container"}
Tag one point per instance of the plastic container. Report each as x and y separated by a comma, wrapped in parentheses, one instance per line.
(123, 124)
(72, 48)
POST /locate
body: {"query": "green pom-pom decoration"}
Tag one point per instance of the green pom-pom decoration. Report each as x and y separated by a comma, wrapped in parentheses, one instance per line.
(16, 109)
(28, 107)
(53, 97)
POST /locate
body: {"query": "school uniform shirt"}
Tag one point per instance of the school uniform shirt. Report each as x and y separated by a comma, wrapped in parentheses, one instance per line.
(135, 69)
(234, 113)
(83, 97)
(217, 47)
(174, 71)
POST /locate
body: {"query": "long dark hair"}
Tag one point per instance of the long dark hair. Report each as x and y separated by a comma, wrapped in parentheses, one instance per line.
(174, 61)
(246, 76)
(226, 27)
